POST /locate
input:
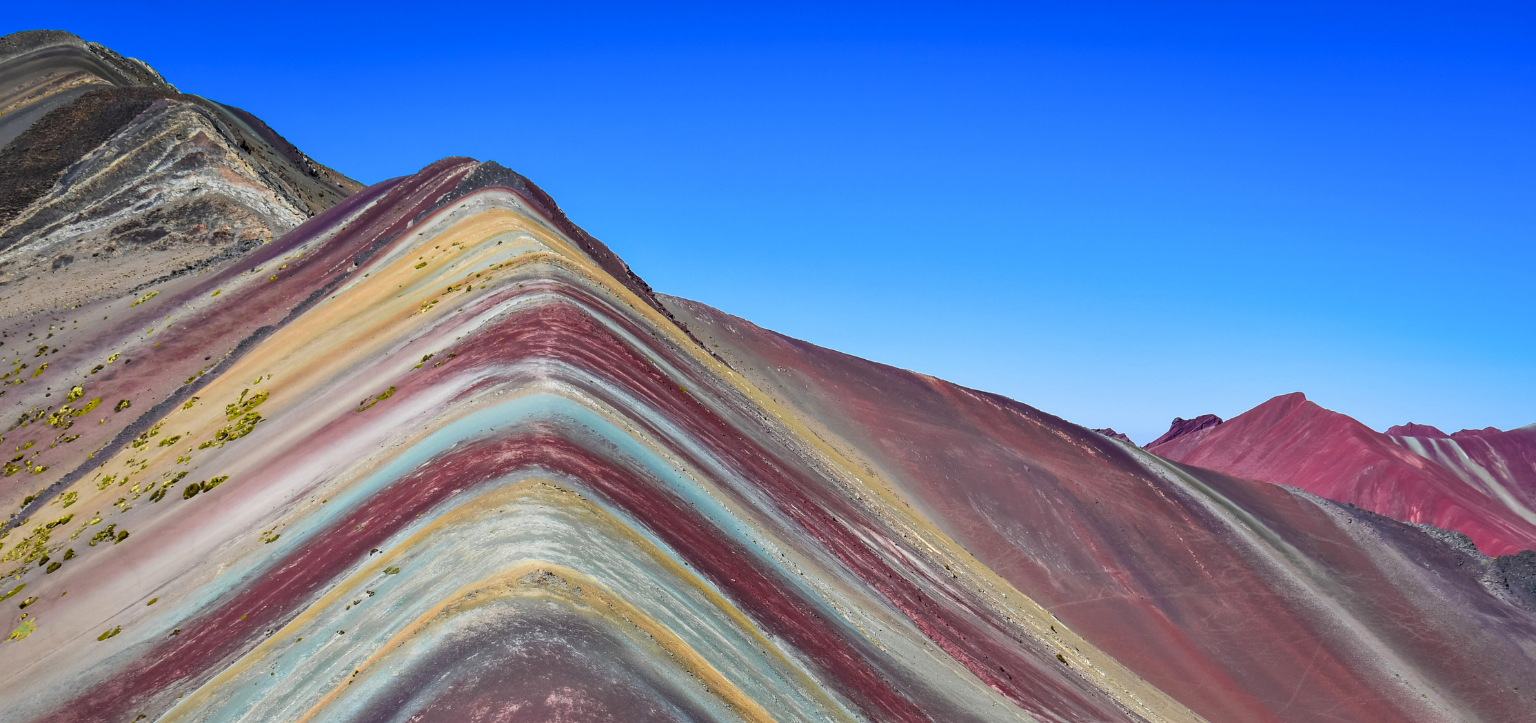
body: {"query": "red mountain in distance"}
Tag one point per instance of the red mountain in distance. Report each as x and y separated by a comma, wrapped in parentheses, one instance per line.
(1112, 434)
(1177, 575)
(1481, 484)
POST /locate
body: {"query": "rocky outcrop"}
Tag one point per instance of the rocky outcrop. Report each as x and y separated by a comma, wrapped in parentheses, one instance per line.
(43, 70)
(1417, 430)
(128, 181)
(1182, 427)
(1112, 434)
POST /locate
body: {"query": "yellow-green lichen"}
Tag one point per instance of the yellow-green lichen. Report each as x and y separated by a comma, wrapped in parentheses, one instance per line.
(368, 403)
(27, 627)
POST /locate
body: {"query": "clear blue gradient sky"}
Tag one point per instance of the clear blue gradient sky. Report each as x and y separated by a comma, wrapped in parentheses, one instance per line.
(1116, 213)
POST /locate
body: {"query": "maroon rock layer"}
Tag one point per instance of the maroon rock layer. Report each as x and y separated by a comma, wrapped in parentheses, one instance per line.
(1416, 430)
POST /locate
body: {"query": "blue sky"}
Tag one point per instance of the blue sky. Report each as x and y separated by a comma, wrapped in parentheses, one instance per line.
(1117, 213)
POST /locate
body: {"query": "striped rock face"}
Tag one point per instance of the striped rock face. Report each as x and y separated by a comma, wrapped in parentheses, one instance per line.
(438, 455)
(435, 456)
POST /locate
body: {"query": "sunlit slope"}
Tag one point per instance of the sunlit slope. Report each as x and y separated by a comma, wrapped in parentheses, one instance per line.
(1500, 464)
(436, 455)
(1245, 601)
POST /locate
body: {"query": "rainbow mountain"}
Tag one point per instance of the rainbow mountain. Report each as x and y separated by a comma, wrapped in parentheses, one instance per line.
(436, 454)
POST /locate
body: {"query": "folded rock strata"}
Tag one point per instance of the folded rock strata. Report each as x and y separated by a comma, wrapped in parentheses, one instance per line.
(437, 454)
(433, 454)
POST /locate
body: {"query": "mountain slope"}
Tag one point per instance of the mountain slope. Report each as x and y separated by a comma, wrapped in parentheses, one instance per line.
(111, 178)
(471, 442)
(1290, 440)
(42, 70)
(1502, 465)
(120, 186)
(1243, 600)
(430, 435)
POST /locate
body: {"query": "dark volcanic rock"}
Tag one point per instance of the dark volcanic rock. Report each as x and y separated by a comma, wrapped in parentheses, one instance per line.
(1517, 575)
(1182, 427)
(124, 182)
(35, 160)
(42, 70)
(1417, 430)
(1112, 434)
(1510, 577)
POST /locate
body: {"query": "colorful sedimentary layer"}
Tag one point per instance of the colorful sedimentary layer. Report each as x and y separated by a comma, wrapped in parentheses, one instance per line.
(433, 427)
(1479, 485)
(438, 453)
(1242, 600)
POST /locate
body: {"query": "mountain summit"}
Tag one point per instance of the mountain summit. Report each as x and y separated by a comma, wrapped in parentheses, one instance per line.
(111, 178)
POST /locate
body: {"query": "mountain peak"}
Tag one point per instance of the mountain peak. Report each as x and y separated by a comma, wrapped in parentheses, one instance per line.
(432, 439)
(111, 179)
(1417, 430)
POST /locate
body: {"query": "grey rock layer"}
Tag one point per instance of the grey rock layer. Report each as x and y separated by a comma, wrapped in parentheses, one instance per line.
(123, 181)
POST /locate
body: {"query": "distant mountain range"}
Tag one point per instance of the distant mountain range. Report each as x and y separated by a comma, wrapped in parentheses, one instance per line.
(286, 448)
(1480, 483)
